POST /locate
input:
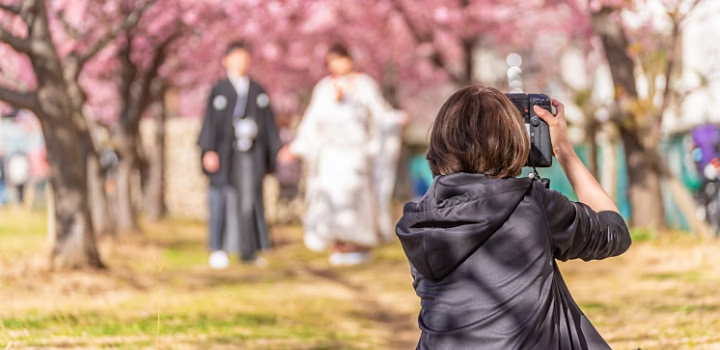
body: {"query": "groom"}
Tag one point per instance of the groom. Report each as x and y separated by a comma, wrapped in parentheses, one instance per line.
(239, 141)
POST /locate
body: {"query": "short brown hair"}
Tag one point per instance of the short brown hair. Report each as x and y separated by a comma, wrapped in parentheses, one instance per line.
(339, 50)
(478, 130)
(238, 45)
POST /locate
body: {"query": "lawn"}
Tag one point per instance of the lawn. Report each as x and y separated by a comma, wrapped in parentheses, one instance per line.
(158, 293)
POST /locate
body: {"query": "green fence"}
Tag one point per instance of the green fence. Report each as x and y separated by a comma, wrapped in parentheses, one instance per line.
(675, 149)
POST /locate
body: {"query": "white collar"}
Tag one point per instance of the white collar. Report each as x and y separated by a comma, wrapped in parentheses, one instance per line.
(240, 83)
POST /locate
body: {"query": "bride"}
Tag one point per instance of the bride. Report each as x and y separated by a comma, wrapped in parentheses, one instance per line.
(349, 139)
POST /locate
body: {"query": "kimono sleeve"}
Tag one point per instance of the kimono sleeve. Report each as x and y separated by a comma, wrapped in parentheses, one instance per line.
(384, 115)
(273, 138)
(578, 232)
(207, 140)
(306, 138)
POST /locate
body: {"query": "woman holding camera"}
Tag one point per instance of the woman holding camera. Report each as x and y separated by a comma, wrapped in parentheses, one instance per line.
(483, 244)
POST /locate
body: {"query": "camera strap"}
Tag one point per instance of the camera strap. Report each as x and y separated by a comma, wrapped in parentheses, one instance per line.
(535, 176)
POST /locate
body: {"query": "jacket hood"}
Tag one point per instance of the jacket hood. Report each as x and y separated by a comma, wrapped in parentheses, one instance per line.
(457, 215)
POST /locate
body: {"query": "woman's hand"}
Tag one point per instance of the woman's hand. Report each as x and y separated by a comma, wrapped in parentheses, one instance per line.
(211, 161)
(286, 155)
(586, 187)
(558, 129)
(404, 118)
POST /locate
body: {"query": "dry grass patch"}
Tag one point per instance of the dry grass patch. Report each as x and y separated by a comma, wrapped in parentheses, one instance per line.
(159, 293)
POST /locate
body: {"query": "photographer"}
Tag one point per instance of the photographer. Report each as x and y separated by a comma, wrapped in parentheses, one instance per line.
(482, 243)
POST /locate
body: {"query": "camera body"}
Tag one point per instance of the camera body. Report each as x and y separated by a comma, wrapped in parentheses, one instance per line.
(541, 151)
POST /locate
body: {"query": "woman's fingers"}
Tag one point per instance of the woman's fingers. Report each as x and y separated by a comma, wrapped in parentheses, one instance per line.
(559, 108)
(549, 117)
(544, 114)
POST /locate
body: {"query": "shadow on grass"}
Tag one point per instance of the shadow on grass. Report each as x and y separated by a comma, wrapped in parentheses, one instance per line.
(397, 322)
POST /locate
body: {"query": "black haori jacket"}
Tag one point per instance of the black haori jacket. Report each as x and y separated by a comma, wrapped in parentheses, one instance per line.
(218, 133)
(483, 257)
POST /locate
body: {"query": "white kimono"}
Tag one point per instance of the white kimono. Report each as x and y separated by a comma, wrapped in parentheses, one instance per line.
(350, 148)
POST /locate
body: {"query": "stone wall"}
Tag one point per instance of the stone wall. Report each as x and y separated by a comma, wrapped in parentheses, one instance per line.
(185, 184)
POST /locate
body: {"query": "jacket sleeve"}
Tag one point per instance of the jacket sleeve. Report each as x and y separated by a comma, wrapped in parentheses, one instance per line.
(306, 139)
(376, 103)
(208, 135)
(578, 232)
(207, 140)
(273, 138)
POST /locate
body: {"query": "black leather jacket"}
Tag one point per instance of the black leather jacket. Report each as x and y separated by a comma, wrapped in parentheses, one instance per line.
(483, 257)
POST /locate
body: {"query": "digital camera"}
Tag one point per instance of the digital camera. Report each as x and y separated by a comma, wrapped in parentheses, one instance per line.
(541, 151)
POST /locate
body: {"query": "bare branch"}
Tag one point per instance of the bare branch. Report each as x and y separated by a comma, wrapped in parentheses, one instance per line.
(694, 5)
(25, 100)
(681, 96)
(14, 9)
(92, 122)
(128, 22)
(152, 72)
(669, 71)
(16, 43)
(69, 28)
(436, 58)
(683, 18)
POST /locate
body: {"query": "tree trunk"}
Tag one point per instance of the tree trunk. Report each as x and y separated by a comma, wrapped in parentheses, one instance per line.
(128, 160)
(593, 150)
(686, 203)
(468, 74)
(102, 220)
(155, 188)
(403, 188)
(644, 175)
(644, 190)
(50, 215)
(74, 241)
(62, 125)
(592, 127)
(609, 175)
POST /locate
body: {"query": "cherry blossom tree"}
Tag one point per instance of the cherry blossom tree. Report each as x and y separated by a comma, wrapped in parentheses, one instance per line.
(654, 53)
(35, 31)
(142, 52)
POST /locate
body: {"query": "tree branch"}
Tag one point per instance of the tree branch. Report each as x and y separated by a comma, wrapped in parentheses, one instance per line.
(692, 7)
(14, 9)
(436, 58)
(128, 22)
(669, 70)
(69, 28)
(16, 43)
(25, 100)
(149, 76)
(100, 123)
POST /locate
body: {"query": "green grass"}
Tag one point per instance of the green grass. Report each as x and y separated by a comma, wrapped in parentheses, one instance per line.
(160, 279)
(235, 327)
(158, 293)
(642, 234)
(688, 276)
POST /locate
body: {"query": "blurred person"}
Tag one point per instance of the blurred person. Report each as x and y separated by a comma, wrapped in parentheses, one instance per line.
(18, 174)
(3, 177)
(39, 171)
(341, 139)
(420, 176)
(483, 244)
(239, 142)
(706, 154)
